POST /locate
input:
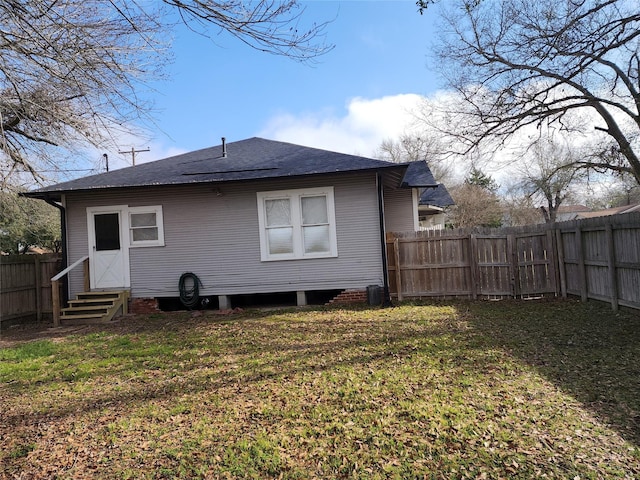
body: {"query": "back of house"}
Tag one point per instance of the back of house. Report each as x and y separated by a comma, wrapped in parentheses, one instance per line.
(245, 218)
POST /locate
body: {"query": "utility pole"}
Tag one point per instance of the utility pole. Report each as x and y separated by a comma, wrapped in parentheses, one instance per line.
(133, 152)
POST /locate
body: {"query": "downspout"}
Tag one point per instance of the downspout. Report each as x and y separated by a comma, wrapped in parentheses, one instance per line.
(386, 295)
(63, 240)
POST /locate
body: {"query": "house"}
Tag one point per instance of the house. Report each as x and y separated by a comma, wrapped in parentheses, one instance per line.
(431, 207)
(250, 217)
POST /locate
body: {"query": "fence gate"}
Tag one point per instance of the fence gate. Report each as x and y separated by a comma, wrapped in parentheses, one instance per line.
(458, 263)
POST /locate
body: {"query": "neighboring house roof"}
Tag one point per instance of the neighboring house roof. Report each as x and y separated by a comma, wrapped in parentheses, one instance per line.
(251, 159)
(610, 211)
(438, 197)
(573, 208)
(569, 212)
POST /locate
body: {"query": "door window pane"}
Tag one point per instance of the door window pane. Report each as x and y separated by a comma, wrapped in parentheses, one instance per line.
(314, 210)
(107, 230)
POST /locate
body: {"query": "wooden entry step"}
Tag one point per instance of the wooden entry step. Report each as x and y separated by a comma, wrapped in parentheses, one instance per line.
(95, 307)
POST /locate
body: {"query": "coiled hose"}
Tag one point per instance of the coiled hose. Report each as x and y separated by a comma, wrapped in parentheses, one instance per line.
(189, 286)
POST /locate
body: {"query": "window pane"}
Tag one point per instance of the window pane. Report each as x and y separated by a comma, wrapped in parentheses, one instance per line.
(280, 240)
(143, 219)
(142, 234)
(278, 212)
(316, 239)
(314, 210)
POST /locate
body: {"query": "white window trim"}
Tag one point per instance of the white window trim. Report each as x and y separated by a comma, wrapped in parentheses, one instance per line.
(295, 197)
(157, 209)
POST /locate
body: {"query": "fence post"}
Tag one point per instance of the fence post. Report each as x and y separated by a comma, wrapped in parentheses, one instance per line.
(611, 261)
(37, 270)
(396, 253)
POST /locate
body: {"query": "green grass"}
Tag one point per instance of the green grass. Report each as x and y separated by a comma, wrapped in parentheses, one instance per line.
(446, 390)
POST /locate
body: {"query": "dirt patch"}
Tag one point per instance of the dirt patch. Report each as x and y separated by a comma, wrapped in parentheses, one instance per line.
(46, 331)
(26, 333)
(130, 323)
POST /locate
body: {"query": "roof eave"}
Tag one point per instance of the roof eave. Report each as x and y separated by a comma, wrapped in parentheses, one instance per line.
(56, 195)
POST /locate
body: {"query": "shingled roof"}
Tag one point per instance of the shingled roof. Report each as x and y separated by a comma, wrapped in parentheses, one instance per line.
(438, 197)
(251, 159)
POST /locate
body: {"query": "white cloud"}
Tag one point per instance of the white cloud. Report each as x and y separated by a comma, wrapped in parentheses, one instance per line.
(361, 130)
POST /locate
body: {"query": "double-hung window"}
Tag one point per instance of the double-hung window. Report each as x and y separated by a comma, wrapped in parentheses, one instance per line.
(296, 224)
(145, 226)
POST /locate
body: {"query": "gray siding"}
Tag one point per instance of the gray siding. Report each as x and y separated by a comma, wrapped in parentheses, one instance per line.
(217, 238)
(77, 241)
(398, 210)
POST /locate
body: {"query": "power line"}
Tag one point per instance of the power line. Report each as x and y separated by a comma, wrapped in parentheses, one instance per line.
(62, 170)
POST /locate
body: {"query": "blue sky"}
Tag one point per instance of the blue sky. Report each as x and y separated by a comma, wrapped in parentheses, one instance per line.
(350, 100)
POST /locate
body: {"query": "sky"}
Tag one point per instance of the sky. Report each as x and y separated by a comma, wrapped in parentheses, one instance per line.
(350, 100)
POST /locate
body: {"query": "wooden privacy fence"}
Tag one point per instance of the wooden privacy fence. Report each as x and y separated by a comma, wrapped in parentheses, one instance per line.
(596, 258)
(25, 286)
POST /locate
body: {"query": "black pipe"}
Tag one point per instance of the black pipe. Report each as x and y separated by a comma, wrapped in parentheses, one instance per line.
(63, 246)
(386, 295)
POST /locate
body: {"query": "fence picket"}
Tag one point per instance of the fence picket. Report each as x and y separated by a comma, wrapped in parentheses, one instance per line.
(25, 286)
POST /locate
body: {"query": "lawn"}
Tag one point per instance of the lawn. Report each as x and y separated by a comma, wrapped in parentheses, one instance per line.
(448, 390)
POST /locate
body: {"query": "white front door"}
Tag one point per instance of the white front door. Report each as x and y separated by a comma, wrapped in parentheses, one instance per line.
(108, 247)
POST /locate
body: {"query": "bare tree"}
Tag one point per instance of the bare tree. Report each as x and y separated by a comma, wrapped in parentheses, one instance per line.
(73, 72)
(521, 63)
(476, 202)
(413, 147)
(619, 192)
(548, 176)
(25, 222)
(475, 206)
(519, 209)
(272, 26)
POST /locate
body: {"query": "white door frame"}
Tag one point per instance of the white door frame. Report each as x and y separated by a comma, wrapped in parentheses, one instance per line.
(122, 260)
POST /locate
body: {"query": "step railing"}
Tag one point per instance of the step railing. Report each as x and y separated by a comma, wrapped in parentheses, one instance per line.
(55, 286)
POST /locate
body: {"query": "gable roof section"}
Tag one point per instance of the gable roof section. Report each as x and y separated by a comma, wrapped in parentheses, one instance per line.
(251, 159)
(418, 175)
(438, 197)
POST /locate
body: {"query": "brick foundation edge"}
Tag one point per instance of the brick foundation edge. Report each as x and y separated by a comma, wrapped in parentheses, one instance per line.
(150, 305)
(349, 296)
(143, 305)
